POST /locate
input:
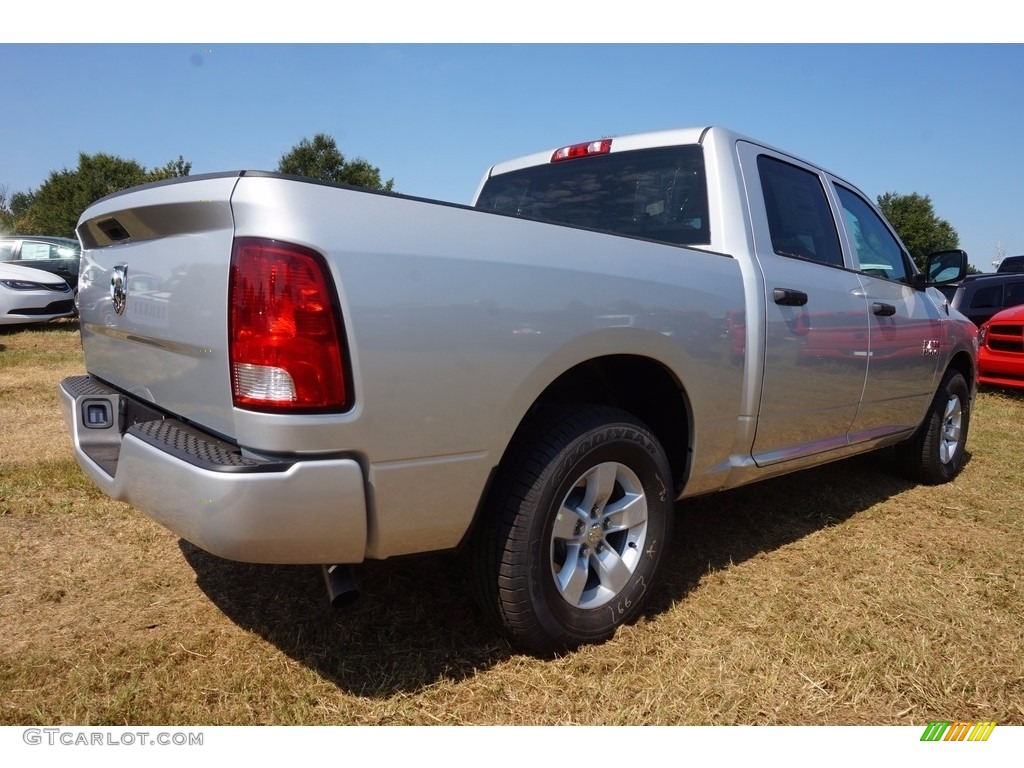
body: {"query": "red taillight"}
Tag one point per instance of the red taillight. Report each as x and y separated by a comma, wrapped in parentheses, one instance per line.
(285, 344)
(602, 147)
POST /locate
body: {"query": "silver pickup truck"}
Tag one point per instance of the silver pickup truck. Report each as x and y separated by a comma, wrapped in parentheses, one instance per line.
(284, 371)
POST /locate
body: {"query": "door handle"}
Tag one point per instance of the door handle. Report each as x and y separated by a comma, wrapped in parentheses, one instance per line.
(883, 310)
(787, 297)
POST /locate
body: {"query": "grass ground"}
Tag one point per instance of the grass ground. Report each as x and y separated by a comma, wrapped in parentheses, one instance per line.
(841, 595)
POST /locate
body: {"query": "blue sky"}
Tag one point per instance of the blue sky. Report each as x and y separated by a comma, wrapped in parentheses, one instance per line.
(940, 120)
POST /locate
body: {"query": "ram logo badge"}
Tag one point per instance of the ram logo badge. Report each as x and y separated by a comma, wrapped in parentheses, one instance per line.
(930, 347)
(119, 288)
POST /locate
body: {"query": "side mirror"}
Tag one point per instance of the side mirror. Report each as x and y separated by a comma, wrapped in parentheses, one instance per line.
(942, 267)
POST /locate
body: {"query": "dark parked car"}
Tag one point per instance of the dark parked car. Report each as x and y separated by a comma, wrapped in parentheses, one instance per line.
(981, 296)
(1011, 264)
(59, 255)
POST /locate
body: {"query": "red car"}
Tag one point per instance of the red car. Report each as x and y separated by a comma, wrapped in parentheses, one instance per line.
(1001, 353)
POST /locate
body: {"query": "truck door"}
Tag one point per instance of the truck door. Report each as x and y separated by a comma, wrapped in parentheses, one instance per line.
(816, 319)
(905, 325)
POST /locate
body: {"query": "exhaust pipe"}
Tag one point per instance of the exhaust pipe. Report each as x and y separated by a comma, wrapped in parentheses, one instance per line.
(341, 585)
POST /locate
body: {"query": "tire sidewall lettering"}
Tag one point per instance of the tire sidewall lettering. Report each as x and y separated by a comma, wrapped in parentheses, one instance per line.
(585, 446)
(613, 443)
(519, 561)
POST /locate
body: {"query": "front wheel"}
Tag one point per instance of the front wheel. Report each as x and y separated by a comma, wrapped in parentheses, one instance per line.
(935, 454)
(580, 516)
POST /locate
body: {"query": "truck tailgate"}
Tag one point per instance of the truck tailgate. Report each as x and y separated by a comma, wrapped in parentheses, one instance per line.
(152, 295)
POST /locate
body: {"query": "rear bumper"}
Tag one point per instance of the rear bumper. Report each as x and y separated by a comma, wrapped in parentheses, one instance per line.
(292, 510)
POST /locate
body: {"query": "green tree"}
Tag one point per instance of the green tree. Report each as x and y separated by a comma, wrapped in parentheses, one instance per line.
(320, 159)
(915, 221)
(23, 220)
(60, 200)
(171, 170)
(55, 207)
(6, 217)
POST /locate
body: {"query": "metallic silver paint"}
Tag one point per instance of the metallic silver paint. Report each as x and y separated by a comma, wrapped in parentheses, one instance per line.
(313, 513)
(456, 322)
(598, 535)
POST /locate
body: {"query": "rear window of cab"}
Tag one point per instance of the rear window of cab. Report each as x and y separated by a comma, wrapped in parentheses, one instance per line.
(656, 194)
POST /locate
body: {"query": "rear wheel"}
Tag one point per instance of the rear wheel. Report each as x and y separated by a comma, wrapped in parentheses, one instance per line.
(935, 454)
(580, 516)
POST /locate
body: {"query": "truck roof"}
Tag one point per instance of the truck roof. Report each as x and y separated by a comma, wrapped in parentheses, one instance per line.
(673, 137)
(619, 144)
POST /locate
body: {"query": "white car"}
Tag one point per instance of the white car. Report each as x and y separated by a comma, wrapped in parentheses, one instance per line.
(32, 295)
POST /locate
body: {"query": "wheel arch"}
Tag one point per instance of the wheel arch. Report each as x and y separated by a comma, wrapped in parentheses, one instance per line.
(965, 364)
(640, 385)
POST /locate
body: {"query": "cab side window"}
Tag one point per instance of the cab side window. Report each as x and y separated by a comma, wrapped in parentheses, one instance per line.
(799, 218)
(878, 252)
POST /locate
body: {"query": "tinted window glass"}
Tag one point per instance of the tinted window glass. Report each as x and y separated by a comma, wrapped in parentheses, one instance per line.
(1012, 264)
(799, 218)
(988, 297)
(658, 194)
(1014, 294)
(878, 252)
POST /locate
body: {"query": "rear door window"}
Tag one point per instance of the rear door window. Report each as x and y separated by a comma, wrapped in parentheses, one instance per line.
(799, 217)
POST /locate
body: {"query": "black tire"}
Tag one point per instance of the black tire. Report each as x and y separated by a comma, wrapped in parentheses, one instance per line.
(552, 575)
(935, 454)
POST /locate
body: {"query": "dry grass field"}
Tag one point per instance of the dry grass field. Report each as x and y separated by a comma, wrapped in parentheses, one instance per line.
(838, 596)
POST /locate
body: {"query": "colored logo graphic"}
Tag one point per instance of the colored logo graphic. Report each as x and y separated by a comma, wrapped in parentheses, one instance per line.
(944, 730)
